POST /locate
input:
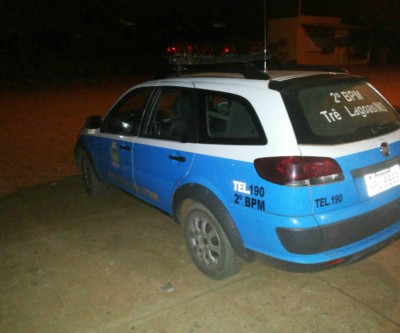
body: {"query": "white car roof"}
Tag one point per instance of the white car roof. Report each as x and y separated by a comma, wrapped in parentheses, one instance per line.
(254, 78)
(278, 75)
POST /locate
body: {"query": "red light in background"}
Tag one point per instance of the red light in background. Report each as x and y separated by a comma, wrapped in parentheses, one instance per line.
(171, 50)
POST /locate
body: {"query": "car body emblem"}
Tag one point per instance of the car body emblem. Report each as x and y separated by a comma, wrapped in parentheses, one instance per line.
(385, 150)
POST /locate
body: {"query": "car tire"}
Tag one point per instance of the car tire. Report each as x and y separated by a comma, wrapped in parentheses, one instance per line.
(94, 186)
(208, 244)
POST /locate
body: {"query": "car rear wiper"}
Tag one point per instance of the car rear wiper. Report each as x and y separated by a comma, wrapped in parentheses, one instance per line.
(376, 129)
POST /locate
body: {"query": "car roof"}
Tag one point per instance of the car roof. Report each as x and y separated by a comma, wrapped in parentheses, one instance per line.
(252, 77)
(251, 74)
(276, 79)
(277, 73)
(288, 74)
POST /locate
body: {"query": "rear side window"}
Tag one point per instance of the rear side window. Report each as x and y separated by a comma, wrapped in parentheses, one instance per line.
(338, 111)
(228, 119)
(174, 115)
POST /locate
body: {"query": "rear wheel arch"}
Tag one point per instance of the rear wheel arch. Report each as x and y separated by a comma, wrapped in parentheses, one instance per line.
(190, 193)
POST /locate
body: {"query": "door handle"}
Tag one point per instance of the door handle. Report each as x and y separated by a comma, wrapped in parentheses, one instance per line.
(127, 148)
(177, 158)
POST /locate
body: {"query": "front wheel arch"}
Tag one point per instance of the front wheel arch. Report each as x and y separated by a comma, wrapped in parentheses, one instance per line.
(93, 184)
(188, 194)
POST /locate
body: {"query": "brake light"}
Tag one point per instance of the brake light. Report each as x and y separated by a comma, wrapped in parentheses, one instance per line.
(298, 170)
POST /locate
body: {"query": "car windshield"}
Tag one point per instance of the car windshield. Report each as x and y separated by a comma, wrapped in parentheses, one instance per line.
(339, 111)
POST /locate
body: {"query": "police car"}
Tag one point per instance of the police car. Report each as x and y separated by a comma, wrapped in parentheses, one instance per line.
(302, 167)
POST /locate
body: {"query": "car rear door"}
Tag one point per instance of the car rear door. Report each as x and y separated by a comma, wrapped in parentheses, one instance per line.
(165, 148)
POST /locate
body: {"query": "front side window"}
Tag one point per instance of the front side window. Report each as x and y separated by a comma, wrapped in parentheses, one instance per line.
(229, 119)
(339, 111)
(125, 118)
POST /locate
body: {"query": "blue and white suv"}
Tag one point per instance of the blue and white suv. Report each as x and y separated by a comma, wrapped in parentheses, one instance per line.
(301, 167)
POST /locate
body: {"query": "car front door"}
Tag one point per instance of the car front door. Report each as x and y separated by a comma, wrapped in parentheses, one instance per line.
(165, 149)
(117, 136)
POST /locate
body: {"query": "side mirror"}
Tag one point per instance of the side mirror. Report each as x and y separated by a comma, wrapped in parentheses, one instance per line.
(93, 122)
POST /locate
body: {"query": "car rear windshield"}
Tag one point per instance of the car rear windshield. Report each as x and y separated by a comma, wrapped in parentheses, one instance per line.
(338, 111)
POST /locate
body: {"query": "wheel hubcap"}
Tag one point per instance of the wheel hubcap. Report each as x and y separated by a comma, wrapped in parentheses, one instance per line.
(205, 240)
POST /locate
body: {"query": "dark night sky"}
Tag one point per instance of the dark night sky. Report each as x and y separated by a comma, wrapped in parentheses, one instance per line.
(46, 31)
(91, 16)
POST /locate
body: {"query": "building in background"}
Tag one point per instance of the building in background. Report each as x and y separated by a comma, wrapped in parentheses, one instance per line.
(317, 40)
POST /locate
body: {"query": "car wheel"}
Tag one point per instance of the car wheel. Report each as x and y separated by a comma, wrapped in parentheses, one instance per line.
(208, 245)
(94, 186)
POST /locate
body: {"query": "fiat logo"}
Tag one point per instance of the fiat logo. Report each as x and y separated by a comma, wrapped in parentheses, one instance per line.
(385, 149)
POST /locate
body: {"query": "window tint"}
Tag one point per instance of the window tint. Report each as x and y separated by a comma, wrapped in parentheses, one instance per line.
(339, 112)
(230, 119)
(126, 116)
(174, 115)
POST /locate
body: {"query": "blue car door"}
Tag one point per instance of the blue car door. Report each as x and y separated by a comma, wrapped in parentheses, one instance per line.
(164, 150)
(116, 139)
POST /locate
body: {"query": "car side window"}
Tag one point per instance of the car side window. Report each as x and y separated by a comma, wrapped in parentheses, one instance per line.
(229, 119)
(174, 115)
(125, 118)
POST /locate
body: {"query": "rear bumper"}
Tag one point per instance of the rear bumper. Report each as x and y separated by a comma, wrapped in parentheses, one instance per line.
(347, 260)
(336, 235)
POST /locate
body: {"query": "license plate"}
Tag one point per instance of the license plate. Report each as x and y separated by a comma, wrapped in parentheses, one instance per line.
(383, 180)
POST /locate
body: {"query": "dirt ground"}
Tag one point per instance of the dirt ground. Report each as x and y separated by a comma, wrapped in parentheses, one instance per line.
(70, 263)
(39, 127)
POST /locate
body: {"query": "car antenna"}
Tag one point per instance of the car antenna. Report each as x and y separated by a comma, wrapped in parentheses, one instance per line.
(265, 36)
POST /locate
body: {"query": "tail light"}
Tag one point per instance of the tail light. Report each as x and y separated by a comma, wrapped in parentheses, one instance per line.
(298, 170)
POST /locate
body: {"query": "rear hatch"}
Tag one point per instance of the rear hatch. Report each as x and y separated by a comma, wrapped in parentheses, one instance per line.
(342, 117)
